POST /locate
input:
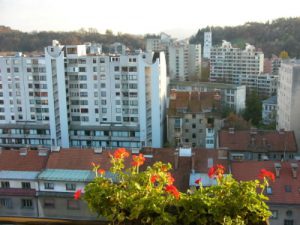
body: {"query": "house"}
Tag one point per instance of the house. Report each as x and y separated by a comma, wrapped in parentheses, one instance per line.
(256, 144)
(284, 198)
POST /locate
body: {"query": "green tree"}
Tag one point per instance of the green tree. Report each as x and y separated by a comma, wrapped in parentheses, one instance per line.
(253, 109)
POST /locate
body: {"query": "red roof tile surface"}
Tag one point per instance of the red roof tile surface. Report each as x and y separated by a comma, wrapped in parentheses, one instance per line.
(12, 160)
(249, 170)
(268, 141)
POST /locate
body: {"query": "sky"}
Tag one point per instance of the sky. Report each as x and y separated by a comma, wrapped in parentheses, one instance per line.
(179, 18)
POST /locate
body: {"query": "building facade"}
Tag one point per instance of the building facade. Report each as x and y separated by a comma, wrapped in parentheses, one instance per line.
(269, 110)
(24, 108)
(207, 44)
(193, 119)
(77, 96)
(184, 61)
(232, 95)
(288, 98)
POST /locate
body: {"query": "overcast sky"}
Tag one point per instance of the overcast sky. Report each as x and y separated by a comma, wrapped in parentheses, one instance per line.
(139, 16)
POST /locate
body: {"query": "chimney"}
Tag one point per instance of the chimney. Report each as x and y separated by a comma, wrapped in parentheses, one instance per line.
(281, 131)
(277, 169)
(23, 151)
(264, 142)
(43, 151)
(231, 130)
(173, 94)
(176, 158)
(294, 169)
(253, 130)
(193, 162)
(98, 150)
(252, 141)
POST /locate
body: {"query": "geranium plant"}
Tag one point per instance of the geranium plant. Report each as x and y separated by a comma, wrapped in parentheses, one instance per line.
(150, 197)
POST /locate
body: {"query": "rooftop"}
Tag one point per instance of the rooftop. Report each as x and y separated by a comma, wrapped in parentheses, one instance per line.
(258, 140)
(271, 100)
(285, 189)
(192, 102)
(16, 160)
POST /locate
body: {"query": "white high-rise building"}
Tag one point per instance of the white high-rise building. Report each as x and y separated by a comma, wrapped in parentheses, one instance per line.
(24, 110)
(75, 96)
(184, 60)
(207, 44)
(288, 95)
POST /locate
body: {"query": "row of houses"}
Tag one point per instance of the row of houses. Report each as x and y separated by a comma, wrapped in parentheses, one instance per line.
(41, 183)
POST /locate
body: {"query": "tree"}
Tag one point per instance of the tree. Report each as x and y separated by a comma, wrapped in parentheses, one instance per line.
(236, 122)
(284, 55)
(253, 109)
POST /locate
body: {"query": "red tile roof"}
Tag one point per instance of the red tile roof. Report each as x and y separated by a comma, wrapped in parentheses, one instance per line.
(192, 102)
(265, 141)
(249, 170)
(79, 159)
(12, 160)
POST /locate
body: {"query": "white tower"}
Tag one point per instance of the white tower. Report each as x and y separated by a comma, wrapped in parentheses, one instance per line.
(207, 44)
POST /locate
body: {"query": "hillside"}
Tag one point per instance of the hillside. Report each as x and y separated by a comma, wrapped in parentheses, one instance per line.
(14, 40)
(272, 37)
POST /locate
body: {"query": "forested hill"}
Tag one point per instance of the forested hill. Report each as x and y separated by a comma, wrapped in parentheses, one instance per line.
(14, 40)
(272, 37)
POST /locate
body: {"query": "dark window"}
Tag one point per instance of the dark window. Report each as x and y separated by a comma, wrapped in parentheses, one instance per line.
(5, 203)
(26, 203)
(288, 188)
(49, 203)
(70, 187)
(194, 125)
(194, 116)
(26, 185)
(194, 135)
(288, 222)
(49, 185)
(4, 184)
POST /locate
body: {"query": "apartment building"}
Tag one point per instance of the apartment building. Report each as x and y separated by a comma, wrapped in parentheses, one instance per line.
(207, 44)
(288, 97)
(193, 118)
(184, 60)
(241, 66)
(77, 96)
(24, 109)
(269, 110)
(228, 63)
(231, 95)
(272, 65)
(105, 100)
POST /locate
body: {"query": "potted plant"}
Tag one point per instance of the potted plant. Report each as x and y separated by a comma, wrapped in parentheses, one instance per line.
(149, 196)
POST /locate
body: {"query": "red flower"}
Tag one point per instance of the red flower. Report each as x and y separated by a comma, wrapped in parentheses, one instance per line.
(173, 191)
(198, 181)
(121, 153)
(265, 173)
(170, 179)
(216, 171)
(138, 160)
(153, 178)
(211, 172)
(101, 171)
(77, 194)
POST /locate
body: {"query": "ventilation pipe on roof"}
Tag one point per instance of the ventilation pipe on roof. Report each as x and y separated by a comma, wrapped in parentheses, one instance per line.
(294, 169)
(193, 162)
(277, 169)
(176, 158)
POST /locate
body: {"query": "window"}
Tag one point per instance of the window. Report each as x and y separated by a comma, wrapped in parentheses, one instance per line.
(193, 125)
(70, 187)
(194, 135)
(5, 203)
(49, 203)
(288, 222)
(274, 214)
(73, 204)
(269, 190)
(26, 203)
(288, 188)
(49, 185)
(4, 184)
(26, 185)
